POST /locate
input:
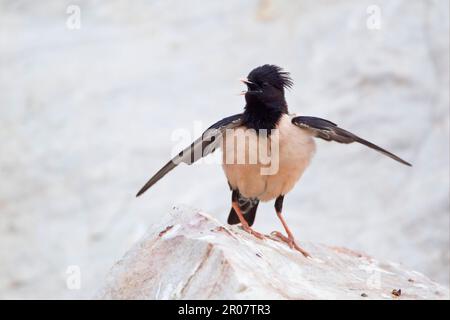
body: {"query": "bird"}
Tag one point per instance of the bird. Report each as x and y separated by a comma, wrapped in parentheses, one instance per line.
(264, 118)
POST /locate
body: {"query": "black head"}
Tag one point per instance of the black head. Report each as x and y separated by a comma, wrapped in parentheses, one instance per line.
(266, 77)
(265, 96)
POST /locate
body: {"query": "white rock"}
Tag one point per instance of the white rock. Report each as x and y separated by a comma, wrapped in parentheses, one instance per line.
(193, 256)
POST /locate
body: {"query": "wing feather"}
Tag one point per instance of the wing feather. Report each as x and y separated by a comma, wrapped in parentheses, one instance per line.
(206, 144)
(329, 131)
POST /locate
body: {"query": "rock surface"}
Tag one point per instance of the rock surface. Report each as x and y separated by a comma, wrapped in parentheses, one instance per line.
(193, 256)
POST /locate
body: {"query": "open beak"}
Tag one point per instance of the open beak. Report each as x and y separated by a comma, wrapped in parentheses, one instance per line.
(246, 82)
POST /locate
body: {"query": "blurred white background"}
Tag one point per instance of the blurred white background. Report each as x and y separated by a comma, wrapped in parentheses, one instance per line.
(86, 117)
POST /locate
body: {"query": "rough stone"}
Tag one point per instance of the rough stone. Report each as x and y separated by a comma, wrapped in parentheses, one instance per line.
(193, 256)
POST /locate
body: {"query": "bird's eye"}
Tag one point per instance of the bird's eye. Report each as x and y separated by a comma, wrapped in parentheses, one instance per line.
(252, 86)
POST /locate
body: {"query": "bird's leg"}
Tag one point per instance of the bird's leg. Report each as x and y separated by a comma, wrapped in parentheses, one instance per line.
(290, 240)
(244, 223)
(290, 237)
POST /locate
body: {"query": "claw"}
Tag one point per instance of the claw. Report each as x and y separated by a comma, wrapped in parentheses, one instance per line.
(290, 241)
(253, 232)
(244, 223)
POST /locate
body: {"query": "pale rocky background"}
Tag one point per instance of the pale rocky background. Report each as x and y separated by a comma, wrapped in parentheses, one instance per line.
(87, 115)
(191, 255)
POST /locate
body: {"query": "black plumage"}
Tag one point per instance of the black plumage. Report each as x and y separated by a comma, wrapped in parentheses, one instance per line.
(329, 131)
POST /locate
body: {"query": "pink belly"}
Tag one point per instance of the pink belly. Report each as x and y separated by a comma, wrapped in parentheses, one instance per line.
(295, 151)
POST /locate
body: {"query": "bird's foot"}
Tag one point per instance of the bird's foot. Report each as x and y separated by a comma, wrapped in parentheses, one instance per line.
(248, 229)
(291, 242)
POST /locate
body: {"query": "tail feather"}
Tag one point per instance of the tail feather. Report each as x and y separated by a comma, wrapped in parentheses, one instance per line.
(249, 213)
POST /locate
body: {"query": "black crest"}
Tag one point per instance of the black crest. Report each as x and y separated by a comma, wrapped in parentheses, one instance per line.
(265, 101)
(272, 74)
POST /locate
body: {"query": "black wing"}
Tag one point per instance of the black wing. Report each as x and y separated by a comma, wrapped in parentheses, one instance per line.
(329, 131)
(201, 147)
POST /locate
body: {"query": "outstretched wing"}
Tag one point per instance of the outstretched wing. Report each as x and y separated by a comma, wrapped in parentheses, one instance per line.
(201, 147)
(329, 131)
